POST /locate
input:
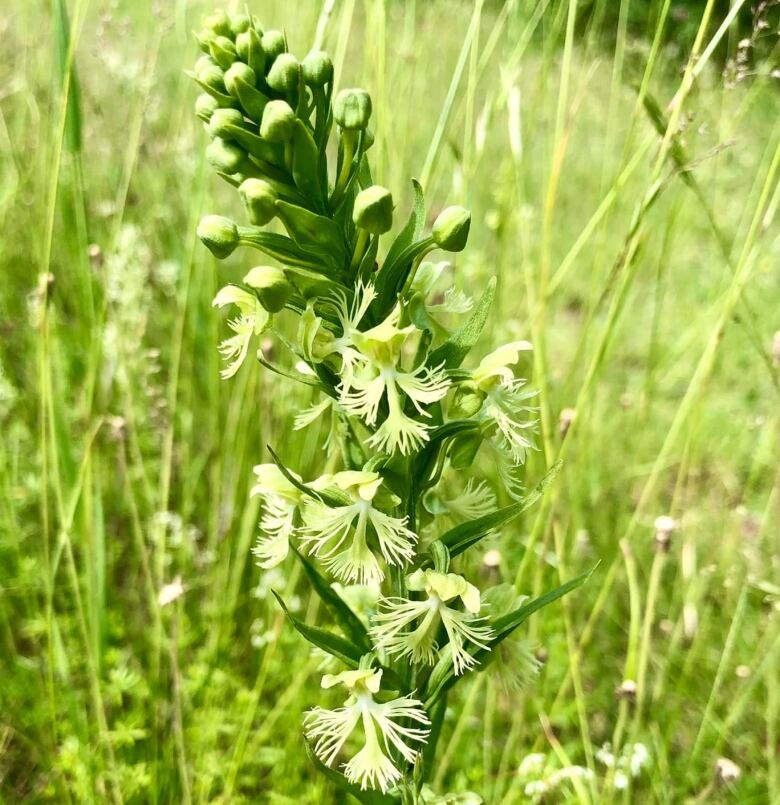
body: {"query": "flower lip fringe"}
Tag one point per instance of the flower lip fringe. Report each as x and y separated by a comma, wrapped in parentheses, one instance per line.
(380, 341)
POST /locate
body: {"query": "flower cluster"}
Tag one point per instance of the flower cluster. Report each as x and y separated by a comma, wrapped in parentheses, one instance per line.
(381, 341)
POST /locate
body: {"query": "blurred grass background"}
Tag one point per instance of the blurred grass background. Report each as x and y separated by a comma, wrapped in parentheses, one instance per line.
(642, 260)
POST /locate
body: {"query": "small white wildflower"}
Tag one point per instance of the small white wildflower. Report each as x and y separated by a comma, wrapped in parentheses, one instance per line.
(604, 755)
(338, 535)
(621, 780)
(638, 758)
(382, 733)
(532, 765)
(170, 592)
(397, 614)
(727, 770)
(253, 319)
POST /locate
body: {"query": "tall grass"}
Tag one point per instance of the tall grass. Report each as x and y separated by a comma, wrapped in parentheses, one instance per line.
(626, 197)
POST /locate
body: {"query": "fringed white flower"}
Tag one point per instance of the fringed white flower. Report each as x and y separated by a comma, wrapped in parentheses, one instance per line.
(376, 377)
(252, 320)
(408, 628)
(329, 407)
(281, 500)
(476, 500)
(452, 301)
(506, 397)
(380, 723)
(339, 535)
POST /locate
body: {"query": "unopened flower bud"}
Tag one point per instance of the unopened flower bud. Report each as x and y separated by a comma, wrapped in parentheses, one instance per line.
(273, 44)
(259, 199)
(225, 156)
(284, 73)
(464, 450)
(451, 229)
(272, 286)
(223, 51)
(727, 771)
(250, 50)
(203, 63)
(373, 210)
(239, 23)
(213, 78)
(219, 234)
(222, 119)
(626, 690)
(239, 72)
(565, 419)
(317, 68)
(352, 109)
(204, 37)
(467, 400)
(664, 528)
(205, 106)
(279, 122)
(218, 22)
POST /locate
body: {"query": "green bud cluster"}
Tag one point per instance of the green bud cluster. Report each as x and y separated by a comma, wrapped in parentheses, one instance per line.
(270, 118)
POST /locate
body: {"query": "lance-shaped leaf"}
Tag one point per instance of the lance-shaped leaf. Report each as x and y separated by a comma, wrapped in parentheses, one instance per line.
(306, 165)
(452, 352)
(346, 619)
(443, 677)
(365, 797)
(284, 249)
(311, 230)
(412, 230)
(334, 645)
(463, 536)
(408, 245)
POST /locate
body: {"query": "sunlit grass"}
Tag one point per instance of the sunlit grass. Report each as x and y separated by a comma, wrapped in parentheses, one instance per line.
(650, 294)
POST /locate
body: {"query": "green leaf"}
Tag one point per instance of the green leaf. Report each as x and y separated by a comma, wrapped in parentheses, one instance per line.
(411, 231)
(334, 645)
(506, 624)
(306, 165)
(453, 351)
(285, 249)
(313, 232)
(346, 619)
(331, 497)
(364, 797)
(463, 536)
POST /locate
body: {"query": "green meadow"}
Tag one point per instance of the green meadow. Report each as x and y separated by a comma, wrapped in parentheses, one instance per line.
(621, 161)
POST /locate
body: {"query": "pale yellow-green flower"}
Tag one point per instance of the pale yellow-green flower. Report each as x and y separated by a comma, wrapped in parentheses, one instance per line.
(343, 537)
(252, 320)
(408, 628)
(383, 726)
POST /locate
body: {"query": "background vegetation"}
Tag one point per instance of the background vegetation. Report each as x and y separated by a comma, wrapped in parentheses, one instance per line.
(641, 259)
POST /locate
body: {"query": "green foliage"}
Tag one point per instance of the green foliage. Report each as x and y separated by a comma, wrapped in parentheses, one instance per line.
(125, 462)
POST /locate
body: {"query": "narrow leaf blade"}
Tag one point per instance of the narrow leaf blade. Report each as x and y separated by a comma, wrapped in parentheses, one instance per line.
(334, 645)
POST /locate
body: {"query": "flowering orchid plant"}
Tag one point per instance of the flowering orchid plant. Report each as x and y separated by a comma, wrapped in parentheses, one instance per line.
(387, 372)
